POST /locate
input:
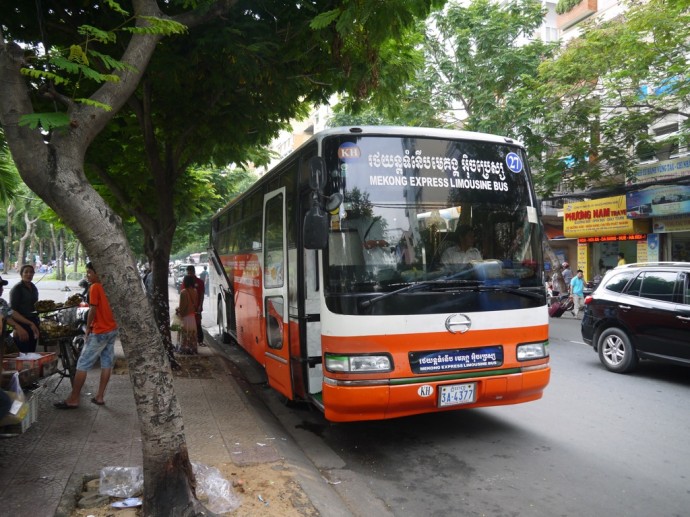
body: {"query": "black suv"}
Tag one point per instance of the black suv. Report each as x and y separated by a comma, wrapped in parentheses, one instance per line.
(640, 311)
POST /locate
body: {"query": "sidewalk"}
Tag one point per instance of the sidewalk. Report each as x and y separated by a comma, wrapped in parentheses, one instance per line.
(225, 428)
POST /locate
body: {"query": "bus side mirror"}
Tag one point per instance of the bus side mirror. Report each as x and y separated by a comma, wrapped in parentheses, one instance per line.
(315, 232)
(317, 178)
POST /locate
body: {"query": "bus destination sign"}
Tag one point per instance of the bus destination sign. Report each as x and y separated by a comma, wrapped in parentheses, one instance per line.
(455, 360)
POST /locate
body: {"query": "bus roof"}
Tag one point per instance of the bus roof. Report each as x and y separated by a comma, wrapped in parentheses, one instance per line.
(415, 131)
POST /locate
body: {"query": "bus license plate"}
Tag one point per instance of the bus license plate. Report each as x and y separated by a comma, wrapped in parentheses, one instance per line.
(456, 394)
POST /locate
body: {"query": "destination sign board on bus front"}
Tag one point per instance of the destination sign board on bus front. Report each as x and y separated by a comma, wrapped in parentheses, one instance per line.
(386, 169)
(453, 360)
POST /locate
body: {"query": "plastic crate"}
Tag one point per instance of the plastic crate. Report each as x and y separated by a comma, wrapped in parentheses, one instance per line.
(49, 368)
(13, 362)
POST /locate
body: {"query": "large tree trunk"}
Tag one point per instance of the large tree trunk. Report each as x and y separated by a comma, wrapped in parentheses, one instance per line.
(169, 485)
(159, 260)
(54, 171)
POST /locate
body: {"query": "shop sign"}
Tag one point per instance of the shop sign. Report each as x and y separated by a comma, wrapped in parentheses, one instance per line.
(663, 170)
(583, 258)
(600, 217)
(651, 250)
(678, 223)
(612, 238)
(656, 201)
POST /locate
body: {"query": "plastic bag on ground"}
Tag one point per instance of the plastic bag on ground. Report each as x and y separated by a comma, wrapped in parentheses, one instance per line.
(121, 481)
(212, 485)
(18, 407)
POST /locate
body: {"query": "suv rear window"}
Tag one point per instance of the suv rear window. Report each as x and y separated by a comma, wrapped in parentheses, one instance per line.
(618, 282)
(656, 285)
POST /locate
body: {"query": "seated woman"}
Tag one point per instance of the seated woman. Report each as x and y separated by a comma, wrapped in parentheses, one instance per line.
(23, 298)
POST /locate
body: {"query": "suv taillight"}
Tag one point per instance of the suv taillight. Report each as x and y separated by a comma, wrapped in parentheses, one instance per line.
(588, 299)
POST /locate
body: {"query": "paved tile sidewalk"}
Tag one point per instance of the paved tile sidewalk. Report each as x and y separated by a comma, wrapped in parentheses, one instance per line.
(35, 467)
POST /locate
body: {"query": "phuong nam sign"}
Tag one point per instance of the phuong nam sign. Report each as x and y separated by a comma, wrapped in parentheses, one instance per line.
(600, 217)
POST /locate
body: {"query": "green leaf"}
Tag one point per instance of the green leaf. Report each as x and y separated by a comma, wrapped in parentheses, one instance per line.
(97, 34)
(110, 62)
(88, 72)
(323, 20)
(158, 26)
(44, 74)
(77, 54)
(95, 104)
(46, 121)
(116, 7)
(65, 64)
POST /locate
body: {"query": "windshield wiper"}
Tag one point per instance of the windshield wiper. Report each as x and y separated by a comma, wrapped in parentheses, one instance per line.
(473, 285)
(419, 285)
(512, 290)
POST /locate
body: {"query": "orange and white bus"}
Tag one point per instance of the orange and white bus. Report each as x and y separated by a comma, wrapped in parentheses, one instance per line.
(379, 272)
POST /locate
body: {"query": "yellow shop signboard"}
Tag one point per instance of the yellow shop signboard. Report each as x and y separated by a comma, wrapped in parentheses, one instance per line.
(600, 217)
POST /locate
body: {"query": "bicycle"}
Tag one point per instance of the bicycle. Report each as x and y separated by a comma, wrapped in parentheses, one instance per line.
(64, 328)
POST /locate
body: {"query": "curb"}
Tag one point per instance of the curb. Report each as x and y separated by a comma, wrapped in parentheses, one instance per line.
(74, 487)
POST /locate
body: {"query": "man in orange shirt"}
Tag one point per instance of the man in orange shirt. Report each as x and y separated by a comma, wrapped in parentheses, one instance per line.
(101, 331)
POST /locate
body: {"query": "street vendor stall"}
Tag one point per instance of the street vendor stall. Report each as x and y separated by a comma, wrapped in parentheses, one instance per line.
(61, 339)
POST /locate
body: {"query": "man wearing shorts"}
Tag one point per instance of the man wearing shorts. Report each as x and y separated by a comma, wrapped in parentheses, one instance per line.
(101, 331)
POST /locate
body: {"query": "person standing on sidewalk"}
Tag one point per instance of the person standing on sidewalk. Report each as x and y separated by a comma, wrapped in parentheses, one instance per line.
(101, 331)
(203, 276)
(577, 291)
(23, 298)
(567, 274)
(200, 291)
(187, 313)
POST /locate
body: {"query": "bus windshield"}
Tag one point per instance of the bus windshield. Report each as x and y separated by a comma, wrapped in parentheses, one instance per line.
(422, 209)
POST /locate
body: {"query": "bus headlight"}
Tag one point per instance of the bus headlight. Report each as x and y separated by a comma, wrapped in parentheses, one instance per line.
(358, 363)
(530, 351)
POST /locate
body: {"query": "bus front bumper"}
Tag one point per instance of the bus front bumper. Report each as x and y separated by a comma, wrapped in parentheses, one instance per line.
(349, 401)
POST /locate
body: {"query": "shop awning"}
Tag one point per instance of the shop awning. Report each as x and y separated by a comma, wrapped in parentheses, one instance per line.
(553, 232)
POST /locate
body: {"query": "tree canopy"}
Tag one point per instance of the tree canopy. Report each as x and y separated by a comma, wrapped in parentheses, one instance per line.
(607, 89)
(472, 61)
(69, 68)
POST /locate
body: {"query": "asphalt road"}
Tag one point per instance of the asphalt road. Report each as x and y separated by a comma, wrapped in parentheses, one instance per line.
(597, 444)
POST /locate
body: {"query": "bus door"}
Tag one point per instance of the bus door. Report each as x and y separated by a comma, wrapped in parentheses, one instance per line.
(275, 290)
